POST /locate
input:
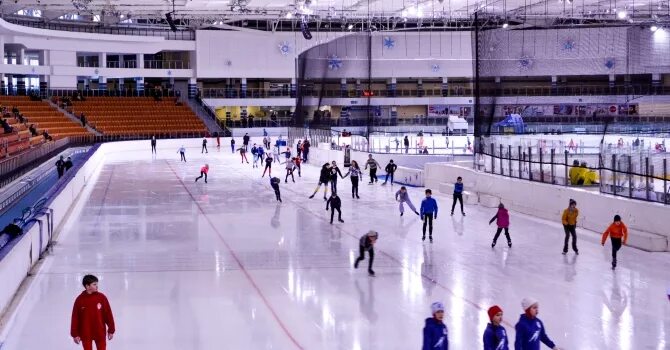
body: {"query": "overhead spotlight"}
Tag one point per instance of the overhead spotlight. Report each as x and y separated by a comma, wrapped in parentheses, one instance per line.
(122, 16)
(289, 15)
(622, 14)
(350, 27)
(653, 28)
(170, 21)
(505, 25)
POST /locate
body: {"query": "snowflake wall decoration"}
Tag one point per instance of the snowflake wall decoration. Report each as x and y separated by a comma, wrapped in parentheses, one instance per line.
(435, 68)
(334, 62)
(284, 48)
(610, 63)
(389, 43)
(569, 45)
(525, 63)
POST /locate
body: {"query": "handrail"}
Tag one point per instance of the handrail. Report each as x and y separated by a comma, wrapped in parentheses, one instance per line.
(166, 64)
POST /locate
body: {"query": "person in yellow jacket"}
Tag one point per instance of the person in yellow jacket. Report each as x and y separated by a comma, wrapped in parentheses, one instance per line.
(575, 172)
(618, 233)
(569, 220)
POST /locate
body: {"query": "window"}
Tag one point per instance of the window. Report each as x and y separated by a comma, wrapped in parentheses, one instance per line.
(30, 13)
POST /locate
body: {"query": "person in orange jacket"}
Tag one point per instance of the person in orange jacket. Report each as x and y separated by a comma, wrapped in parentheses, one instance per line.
(92, 319)
(618, 233)
(569, 220)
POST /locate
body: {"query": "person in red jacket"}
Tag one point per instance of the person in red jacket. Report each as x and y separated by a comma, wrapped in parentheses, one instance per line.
(618, 233)
(203, 172)
(92, 319)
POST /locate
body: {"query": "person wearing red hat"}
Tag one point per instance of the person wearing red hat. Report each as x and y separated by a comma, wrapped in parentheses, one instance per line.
(495, 336)
(530, 330)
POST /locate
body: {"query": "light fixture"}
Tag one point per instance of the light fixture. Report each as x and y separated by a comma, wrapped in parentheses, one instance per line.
(350, 27)
(289, 15)
(653, 28)
(622, 14)
(505, 25)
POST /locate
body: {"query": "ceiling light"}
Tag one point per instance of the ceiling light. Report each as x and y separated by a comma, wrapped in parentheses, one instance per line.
(289, 15)
(350, 27)
(505, 25)
(653, 28)
(622, 14)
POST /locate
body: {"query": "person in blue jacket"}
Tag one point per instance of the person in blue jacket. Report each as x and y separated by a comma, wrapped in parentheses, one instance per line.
(495, 336)
(435, 335)
(530, 330)
(458, 195)
(428, 212)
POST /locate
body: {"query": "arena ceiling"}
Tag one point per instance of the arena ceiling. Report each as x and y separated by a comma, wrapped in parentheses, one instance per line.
(199, 13)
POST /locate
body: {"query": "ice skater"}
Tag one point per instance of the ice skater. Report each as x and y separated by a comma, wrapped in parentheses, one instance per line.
(92, 318)
(254, 154)
(495, 335)
(618, 233)
(182, 153)
(268, 165)
(261, 154)
(390, 170)
(204, 145)
(289, 170)
(569, 220)
(324, 177)
(372, 163)
(243, 154)
(297, 161)
(203, 172)
(367, 243)
(232, 145)
(403, 197)
(153, 144)
(245, 141)
(435, 333)
(298, 148)
(274, 182)
(60, 167)
(334, 171)
(530, 330)
(355, 173)
(502, 220)
(428, 213)
(458, 195)
(405, 142)
(335, 203)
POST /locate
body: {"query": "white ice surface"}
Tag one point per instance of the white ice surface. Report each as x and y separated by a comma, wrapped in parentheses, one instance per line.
(223, 266)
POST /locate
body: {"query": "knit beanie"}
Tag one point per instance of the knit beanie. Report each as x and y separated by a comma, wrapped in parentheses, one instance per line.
(436, 306)
(527, 302)
(372, 233)
(572, 201)
(493, 310)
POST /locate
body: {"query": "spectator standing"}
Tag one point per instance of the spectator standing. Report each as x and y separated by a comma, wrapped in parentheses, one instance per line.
(60, 167)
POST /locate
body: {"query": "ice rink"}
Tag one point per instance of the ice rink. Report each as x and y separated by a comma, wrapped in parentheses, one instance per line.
(223, 266)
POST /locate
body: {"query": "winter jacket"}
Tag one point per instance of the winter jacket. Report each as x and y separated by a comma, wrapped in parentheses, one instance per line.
(365, 242)
(181, 150)
(570, 216)
(232, 142)
(390, 168)
(435, 335)
(245, 139)
(501, 218)
(371, 163)
(204, 170)
(616, 231)
(268, 160)
(404, 197)
(458, 188)
(334, 202)
(254, 150)
(274, 182)
(428, 206)
(204, 142)
(354, 172)
(325, 175)
(91, 317)
(260, 151)
(405, 141)
(495, 338)
(333, 173)
(529, 334)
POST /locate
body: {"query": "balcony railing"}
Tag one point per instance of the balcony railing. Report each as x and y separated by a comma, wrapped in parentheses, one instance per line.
(88, 64)
(124, 64)
(166, 64)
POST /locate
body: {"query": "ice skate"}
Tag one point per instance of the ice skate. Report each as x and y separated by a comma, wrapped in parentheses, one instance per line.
(452, 213)
(509, 244)
(312, 196)
(463, 213)
(356, 263)
(401, 214)
(493, 244)
(423, 238)
(340, 220)
(371, 273)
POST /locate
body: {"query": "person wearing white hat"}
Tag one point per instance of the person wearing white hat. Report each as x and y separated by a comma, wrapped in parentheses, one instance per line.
(366, 243)
(435, 334)
(530, 330)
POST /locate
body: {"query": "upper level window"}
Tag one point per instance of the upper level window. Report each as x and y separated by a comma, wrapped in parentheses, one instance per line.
(30, 13)
(70, 16)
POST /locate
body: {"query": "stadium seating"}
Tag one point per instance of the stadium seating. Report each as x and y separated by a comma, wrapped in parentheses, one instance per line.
(138, 116)
(44, 116)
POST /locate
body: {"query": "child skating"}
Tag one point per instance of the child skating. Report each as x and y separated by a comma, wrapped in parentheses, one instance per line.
(324, 177)
(334, 203)
(366, 243)
(372, 163)
(268, 165)
(458, 195)
(495, 335)
(435, 333)
(502, 220)
(403, 198)
(390, 170)
(289, 170)
(355, 172)
(254, 154)
(243, 154)
(569, 220)
(296, 162)
(232, 145)
(334, 172)
(274, 182)
(618, 233)
(204, 145)
(203, 172)
(182, 153)
(92, 318)
(428, 213)
(530, 330)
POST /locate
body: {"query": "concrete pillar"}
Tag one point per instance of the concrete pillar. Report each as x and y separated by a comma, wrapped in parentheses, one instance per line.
(419, 87)
(102, 60)
(122, 83)
(391, 87)
(44, 85)
(20, 54)
(140, 85)
(2, 49)
(192, 87)
(10, 84)
(359, 88)
(243, 88)
(102, 83)
(293, 88)
(140, 62)
(554, 84)
(343, 88)
(445, 86)
(121, 61)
